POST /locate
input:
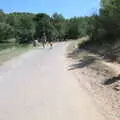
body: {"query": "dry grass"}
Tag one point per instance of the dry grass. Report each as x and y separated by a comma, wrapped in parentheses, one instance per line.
(9, 53)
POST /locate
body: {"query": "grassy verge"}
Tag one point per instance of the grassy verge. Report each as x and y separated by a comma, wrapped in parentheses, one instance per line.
(10, 52)
(74, 44)
(108, 51)
(93, 56)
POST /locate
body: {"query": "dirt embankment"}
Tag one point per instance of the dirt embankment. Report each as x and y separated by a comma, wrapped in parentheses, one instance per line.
(101, 79)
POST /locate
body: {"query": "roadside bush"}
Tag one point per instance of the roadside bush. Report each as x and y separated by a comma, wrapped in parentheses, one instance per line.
(24, 36)
(6, 32)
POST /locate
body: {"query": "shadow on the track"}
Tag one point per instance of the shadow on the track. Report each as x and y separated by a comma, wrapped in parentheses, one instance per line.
(82, 63)
(111, 80)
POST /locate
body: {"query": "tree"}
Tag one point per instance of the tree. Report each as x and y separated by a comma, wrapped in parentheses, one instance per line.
(6, 31)
(44, 25)
(59, 23)
(77, 27)
(57, 17)
(106, 26)
(25, 29)
(2, 16)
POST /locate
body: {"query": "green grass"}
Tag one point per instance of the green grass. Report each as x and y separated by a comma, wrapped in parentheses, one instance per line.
(9, 52)
(6, 46)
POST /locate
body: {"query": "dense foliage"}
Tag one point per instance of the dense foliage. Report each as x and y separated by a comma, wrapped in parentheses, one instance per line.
(26, 27)
(105, 27)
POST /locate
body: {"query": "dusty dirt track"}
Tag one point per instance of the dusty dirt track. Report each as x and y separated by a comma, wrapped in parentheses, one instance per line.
(38, 86)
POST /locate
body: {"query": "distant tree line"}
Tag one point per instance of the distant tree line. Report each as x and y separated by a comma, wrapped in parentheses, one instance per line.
(25, 27)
